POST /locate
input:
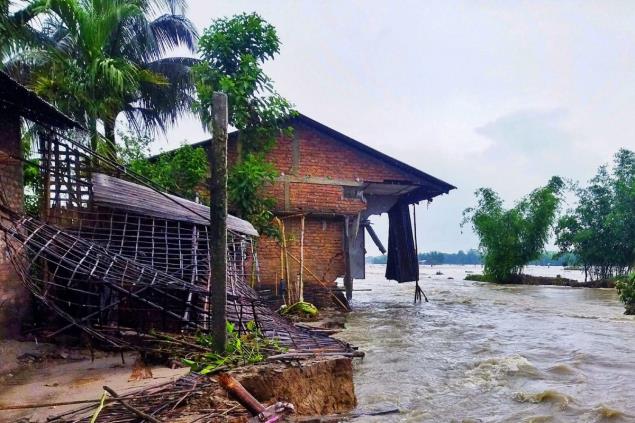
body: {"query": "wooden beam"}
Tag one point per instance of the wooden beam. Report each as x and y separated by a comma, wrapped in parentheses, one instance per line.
(348, 278)
(374, 237)
(218, 220)
(320, 180)
(295, 153)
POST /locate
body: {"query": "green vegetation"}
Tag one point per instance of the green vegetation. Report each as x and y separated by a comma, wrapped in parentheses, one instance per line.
(479, 278)
(96, 60)
(244, 184)
(248, 348)
(511, 238)
(232, 54)
(600, 230)
(626, 290)
(100, 60)
(301, 309)
(180, 171)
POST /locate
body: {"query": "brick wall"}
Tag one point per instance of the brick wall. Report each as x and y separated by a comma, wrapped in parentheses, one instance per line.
(14, 299)
(322, 251)
(321, 156)
(317, 155)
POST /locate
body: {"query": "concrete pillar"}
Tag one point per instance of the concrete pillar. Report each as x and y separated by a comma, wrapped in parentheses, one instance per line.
(14, 298)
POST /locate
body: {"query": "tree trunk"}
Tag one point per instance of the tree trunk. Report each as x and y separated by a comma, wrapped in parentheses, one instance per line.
(109, 134)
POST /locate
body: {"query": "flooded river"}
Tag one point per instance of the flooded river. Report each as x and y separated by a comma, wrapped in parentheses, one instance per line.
(480, 352)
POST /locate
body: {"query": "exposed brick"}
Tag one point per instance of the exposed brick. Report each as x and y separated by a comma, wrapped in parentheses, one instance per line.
(14, 298)
(325, 157)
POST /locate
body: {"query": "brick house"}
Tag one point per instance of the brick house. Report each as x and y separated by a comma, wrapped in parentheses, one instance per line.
(333, 183)
(17, 103)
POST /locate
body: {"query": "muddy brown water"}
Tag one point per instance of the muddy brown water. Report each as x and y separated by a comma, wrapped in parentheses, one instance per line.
(480, 352)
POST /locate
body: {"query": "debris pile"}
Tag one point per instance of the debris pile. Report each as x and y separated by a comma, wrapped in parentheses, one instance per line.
(128, 264)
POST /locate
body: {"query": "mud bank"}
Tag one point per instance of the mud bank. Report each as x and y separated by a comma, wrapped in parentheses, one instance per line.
(318, 388)
(43, 374)
(314, 387)
(547, 280)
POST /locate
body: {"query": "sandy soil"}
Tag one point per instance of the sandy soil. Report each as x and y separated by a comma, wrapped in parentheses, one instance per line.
(31, 374)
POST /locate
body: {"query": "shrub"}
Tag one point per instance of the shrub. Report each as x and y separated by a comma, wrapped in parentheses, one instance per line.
(626, 291)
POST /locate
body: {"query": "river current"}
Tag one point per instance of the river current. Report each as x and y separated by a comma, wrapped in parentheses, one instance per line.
(480, 352)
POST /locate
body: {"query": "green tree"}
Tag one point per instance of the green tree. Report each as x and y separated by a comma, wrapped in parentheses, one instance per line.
(600, 230)
(15, 33)
(100, 59)
(511, 238)
(232, 53)
(626, 291)
(180, 171)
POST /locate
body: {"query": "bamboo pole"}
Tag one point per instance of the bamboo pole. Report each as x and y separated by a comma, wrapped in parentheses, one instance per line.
(321, 282)
(218, 220)
(286, 261)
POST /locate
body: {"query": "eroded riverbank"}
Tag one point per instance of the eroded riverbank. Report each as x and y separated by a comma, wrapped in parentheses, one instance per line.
(492, 353)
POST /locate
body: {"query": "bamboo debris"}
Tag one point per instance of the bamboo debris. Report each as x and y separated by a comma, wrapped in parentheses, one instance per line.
(123, 277)
(321, 282)
(162, 403)
(130, 408)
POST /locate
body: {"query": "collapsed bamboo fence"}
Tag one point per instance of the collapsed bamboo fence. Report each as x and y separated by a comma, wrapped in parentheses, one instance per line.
(124, 269)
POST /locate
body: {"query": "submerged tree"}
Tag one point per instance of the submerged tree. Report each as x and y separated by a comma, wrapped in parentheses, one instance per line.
(232, 54)
(511, 238)
(600, 230)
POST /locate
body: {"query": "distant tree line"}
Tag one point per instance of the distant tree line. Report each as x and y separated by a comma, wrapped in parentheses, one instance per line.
(473, 256)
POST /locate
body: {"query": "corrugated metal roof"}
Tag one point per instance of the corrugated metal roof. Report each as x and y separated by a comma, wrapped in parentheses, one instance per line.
(124, 195)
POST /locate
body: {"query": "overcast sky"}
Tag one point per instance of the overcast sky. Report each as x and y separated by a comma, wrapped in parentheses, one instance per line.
(502, 94)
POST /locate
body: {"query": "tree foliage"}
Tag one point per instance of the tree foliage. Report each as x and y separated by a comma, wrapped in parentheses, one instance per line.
(626, 291)
(97, 59)
(244, 184)
(232, 52)
(511, 238)
(600, 230)
(180, 171)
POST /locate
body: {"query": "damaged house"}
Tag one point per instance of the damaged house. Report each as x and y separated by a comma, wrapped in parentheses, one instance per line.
(328, 186)
(109, 255)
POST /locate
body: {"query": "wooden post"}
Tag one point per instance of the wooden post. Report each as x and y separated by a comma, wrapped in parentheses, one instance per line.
(301, 288)
(348, 278)
(218, 220)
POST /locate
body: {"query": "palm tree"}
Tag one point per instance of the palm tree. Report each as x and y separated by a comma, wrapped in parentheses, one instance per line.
(103, 58)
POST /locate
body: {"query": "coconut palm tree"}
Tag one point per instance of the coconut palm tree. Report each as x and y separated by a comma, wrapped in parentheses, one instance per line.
(105, 58)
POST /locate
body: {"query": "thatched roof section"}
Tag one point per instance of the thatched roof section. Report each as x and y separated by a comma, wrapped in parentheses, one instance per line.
(123, 195)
